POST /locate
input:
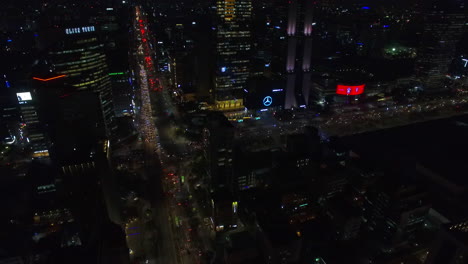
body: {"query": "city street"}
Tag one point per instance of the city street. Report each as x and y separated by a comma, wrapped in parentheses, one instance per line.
(171, 234)
(356, 120)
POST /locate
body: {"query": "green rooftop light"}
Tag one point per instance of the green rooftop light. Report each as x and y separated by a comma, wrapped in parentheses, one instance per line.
(116, 73)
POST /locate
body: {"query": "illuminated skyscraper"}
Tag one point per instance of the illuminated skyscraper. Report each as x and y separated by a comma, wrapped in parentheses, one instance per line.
(76, 52)
(233, 50)
(299, 31)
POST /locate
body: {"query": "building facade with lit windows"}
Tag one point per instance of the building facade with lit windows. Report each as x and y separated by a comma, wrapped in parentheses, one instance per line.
(441, 35)
(80, 56)
(32, 128)
(233, 52)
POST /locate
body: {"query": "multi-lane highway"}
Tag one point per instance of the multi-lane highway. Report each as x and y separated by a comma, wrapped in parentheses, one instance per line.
(173, 240)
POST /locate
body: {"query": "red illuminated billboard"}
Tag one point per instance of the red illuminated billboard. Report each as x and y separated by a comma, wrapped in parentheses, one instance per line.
(350, 89)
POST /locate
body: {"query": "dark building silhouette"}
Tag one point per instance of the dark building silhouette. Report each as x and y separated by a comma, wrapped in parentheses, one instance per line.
(219, 146)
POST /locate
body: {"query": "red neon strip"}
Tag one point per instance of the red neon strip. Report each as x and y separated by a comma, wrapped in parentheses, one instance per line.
(49, 79)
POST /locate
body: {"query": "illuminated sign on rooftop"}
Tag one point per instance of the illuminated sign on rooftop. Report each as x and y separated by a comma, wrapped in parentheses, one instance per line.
(78, 30)
(26, 96)
(350, 89)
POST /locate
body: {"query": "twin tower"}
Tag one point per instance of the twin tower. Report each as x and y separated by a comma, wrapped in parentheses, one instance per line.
(233, 49)
(299, 31)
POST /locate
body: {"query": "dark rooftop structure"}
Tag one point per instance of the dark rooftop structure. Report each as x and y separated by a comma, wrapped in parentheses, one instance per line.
(241, 248)
(436, 145)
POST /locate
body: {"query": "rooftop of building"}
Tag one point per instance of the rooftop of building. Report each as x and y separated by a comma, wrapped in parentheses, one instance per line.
(342, 209)
(222, 195)
(279, 231)
(255, 160)
(240, 240)
(438, 145)
(217, 119)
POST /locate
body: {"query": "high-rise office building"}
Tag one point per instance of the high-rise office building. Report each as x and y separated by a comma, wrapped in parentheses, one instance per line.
(8, 113)
(233, 50)
(122, 92)
(442, 33)
(299, 53)
(218, 139)
(72, 118)
(35, 130)
(74, 51)
(396, 212)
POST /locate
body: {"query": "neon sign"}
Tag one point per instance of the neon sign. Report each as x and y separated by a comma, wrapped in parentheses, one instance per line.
(466, 62)
(78, 30)
(267, 101)
(49, 79)
(350, 89)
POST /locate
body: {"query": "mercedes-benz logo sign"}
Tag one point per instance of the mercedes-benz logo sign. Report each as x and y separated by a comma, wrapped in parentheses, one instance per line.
(267, 101)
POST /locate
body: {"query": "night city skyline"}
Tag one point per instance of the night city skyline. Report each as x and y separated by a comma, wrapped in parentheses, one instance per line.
(234, 131)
